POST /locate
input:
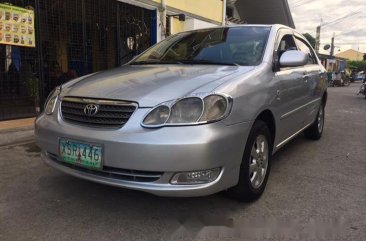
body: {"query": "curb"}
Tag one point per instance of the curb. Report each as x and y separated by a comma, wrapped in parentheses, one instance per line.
(16, 136)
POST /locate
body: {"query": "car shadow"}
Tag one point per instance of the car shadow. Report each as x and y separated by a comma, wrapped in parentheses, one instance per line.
(75, 196)
(293, 146)
(190, 213)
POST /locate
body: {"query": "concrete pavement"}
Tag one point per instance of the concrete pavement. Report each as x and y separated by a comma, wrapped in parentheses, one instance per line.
(316, 191)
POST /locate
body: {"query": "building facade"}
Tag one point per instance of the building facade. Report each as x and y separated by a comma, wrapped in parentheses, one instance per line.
(332, 64)
(74, 38)
(351, 54)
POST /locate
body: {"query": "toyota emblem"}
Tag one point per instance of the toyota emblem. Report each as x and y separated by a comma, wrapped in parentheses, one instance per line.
(91, 109)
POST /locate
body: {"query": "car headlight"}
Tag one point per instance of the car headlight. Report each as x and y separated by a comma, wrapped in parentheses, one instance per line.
(52, 100)
(190, 110)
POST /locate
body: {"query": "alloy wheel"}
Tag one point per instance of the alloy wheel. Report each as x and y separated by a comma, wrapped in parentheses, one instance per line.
(320, 120)
(258, 161)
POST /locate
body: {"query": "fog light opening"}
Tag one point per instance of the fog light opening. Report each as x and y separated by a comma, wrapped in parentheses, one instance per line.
(195, 177)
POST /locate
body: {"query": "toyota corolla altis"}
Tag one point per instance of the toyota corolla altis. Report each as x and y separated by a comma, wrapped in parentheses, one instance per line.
(200, 112)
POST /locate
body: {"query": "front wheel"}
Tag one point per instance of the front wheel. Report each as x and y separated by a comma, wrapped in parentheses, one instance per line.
(255, 166)
(315, 131)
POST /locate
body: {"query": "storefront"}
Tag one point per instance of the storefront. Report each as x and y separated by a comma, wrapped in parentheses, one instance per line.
(70, 39)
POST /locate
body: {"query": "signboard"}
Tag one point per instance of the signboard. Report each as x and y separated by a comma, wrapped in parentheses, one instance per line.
(16, 26)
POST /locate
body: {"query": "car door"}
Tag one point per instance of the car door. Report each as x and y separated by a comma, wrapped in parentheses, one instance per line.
(313, 81)
(291, 91)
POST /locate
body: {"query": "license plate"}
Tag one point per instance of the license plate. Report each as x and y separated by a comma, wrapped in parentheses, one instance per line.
(81, 154)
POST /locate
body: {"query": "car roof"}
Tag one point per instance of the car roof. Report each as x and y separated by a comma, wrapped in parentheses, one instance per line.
(272, 26)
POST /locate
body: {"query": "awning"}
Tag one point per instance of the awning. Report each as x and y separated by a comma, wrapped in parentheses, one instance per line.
(265, 12)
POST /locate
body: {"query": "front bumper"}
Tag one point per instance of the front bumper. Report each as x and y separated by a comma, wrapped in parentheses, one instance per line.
(167, 150)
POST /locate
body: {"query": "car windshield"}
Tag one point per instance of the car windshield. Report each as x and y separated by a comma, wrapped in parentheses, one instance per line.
(219, 46)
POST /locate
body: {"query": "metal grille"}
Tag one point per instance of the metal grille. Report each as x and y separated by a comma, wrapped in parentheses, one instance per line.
(114, 173)
(110, 114)
(73, 38)
(134, 30)
(19, 80)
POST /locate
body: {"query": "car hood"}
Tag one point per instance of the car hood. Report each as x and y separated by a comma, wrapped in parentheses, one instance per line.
(150, 85)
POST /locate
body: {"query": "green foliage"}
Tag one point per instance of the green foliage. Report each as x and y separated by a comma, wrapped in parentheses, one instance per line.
(311, 39)
(357, 65)
(33, 86)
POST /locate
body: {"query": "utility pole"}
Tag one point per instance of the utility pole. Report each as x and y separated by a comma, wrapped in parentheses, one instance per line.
(317, 38)
(317, 41)
(162, 11)
(332, 46)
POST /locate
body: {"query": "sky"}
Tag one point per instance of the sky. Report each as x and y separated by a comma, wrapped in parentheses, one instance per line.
(346, 19)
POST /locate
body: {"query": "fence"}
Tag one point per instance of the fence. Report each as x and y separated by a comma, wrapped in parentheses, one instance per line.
(73, 38)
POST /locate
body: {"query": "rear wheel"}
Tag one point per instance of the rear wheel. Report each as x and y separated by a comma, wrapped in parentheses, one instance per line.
(255, 166)
(315, 131)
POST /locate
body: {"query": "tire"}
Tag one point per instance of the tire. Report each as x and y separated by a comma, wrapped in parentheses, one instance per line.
(361, 91)
(315, 131)
(251, 183)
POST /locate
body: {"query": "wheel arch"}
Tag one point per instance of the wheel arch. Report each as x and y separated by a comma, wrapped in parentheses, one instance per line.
(325, 98)
(267, 117)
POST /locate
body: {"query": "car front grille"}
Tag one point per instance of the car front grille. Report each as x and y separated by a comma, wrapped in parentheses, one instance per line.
(110, 114)
(111, 172)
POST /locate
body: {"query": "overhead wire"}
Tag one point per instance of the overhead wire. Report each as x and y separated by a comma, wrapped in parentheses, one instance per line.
(352, 14)
(337, 20)
(297, 2)
(301, 3)
(352, 29)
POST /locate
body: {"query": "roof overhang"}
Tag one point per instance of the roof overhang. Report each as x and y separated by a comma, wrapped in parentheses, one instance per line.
(265, 12)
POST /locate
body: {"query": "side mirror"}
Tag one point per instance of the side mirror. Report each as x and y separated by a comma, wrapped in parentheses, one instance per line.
(293, 58)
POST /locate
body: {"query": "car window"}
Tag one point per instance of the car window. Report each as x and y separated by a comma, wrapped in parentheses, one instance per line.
(302, 45)
(287, 43)
(233, 46)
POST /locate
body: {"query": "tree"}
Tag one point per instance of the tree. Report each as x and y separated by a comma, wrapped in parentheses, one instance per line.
(356, 65)
(311, 39)
(364, 57)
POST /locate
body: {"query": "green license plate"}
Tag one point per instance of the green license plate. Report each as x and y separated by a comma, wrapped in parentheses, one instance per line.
(81, 154)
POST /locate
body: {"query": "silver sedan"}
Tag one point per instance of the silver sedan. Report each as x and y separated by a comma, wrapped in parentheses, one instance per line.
(198, 113)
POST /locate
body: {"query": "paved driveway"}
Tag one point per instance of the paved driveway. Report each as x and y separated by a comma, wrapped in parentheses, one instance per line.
(316, 190)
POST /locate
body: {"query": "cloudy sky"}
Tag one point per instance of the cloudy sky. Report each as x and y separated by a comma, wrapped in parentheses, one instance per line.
(345, 18)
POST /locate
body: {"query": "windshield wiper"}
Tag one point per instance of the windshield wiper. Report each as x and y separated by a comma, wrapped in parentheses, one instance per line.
(210, 62)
